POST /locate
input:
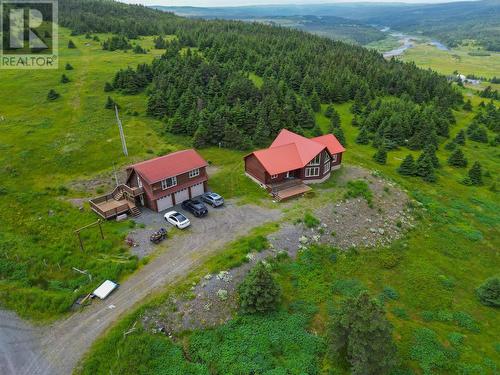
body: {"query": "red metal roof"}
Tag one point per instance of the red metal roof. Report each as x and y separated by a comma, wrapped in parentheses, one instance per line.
(331, 142)
(170, 165)
(291, 151)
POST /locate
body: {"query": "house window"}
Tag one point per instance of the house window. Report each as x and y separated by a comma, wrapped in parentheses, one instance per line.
(327, 167)
(194, 173)
(334, 158)
(316, 160)
(312, 172)
(327, 157)
(168, 183)
(139, 181)
(274, 176)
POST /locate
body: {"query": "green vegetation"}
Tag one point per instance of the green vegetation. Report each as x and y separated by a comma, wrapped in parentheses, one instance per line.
(361, 330)
(359, 188)
(259, 293)
(489, 292)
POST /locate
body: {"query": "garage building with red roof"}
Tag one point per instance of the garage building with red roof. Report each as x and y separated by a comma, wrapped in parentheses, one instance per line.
(292, 157)
(170, 179)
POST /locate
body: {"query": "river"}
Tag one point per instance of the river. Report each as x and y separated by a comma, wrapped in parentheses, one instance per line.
(408, 41)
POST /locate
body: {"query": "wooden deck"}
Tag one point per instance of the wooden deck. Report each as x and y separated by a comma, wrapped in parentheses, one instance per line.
(120, 201)
(288, 189)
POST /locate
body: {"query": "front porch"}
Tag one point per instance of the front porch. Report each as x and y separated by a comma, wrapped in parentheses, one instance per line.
(288, 189)
(121, 201)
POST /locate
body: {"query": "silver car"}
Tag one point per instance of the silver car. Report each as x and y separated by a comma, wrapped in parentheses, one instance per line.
(213, 199)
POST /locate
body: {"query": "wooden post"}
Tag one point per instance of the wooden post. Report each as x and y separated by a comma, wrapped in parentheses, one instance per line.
(80, 239)
(100, 228)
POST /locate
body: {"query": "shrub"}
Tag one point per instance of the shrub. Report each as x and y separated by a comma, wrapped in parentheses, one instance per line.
(64, 79)
(68, 66)
(71, 44)
(400, 312)
(348, 287)
(457, 159)
(108, 87)
(381, 155)
(259, 292)
(53, 95)
(359, 188)
(489, 292)
(390, 293)
(310, 221)
(407, 167)
(475, 174)
(430, 353)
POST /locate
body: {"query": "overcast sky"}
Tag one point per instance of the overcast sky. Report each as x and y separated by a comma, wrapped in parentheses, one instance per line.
(213, 3)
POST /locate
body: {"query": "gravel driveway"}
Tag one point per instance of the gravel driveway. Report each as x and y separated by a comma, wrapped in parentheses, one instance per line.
(57, 349)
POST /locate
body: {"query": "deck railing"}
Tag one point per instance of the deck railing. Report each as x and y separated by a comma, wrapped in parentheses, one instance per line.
(128, 201)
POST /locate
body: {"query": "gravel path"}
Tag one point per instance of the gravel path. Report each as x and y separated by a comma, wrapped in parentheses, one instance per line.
(64, 343)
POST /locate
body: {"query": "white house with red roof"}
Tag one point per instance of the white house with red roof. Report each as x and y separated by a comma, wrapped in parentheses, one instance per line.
(292, 161)
(169, 180)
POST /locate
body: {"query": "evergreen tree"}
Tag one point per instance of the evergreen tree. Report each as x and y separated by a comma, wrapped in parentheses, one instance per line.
(363, 137)
(108, 87)
(430, 150)
(425, 168)
(361, 330)
(475, 174)
(329, 111)
(460, 138)
(68, 66)
(52, 95)
(64, 79)
(457, 159)
(355, 121)
(259, 292)
(339, 134)
(334, 120)
(450, 146)
(489, 292)
(110, 104)
(71, 44)
(315, 102)
(381, 155)
(262, 134)
(468, 105)
(407, 167)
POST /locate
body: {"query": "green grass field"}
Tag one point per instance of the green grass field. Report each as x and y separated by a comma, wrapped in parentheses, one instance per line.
(446, 62)
(46, 145)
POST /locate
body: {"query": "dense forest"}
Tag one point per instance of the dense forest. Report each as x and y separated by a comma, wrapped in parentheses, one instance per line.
(201, 85)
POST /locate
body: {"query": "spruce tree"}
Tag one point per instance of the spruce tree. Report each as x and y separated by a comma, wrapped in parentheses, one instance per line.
(339, 134)
(425, 168)
(475, 174)
(361, 330)
(457, 159)
(110, 104)
(450, 146)
(315, 102)
(467, 105)
(259, 292)
(329, 111)
(381, 155)
(407, 167)
(68, 66)
(64, 79)
(334, 120)
(363, 137)
(108, 87)
(71, 44)
(430, 150)
(460, 138)
(52, 95)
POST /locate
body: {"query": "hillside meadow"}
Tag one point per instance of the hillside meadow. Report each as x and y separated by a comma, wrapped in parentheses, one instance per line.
(439, 325)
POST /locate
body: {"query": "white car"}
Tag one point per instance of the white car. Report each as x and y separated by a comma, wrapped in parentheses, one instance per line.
(177, 219)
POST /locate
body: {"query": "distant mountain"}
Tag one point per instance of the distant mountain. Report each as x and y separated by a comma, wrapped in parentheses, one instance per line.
(451, 23)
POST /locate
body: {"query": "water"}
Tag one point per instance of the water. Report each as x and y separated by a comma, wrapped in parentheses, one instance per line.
(408, 41)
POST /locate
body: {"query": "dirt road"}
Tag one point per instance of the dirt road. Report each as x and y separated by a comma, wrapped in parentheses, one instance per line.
(57, 349)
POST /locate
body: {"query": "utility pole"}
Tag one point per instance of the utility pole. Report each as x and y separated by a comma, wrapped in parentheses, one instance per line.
(122, 135)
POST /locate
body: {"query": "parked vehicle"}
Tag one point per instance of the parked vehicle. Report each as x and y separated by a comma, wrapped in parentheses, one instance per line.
(196, 207)
(213, 199)
(158, 236)
(177, 219)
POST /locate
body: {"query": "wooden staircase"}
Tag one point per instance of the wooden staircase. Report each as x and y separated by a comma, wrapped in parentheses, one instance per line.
(134, 211)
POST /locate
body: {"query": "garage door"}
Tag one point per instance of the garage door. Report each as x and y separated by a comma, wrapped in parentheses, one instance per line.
(197, 190)
(181, 196)
(164, 203)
